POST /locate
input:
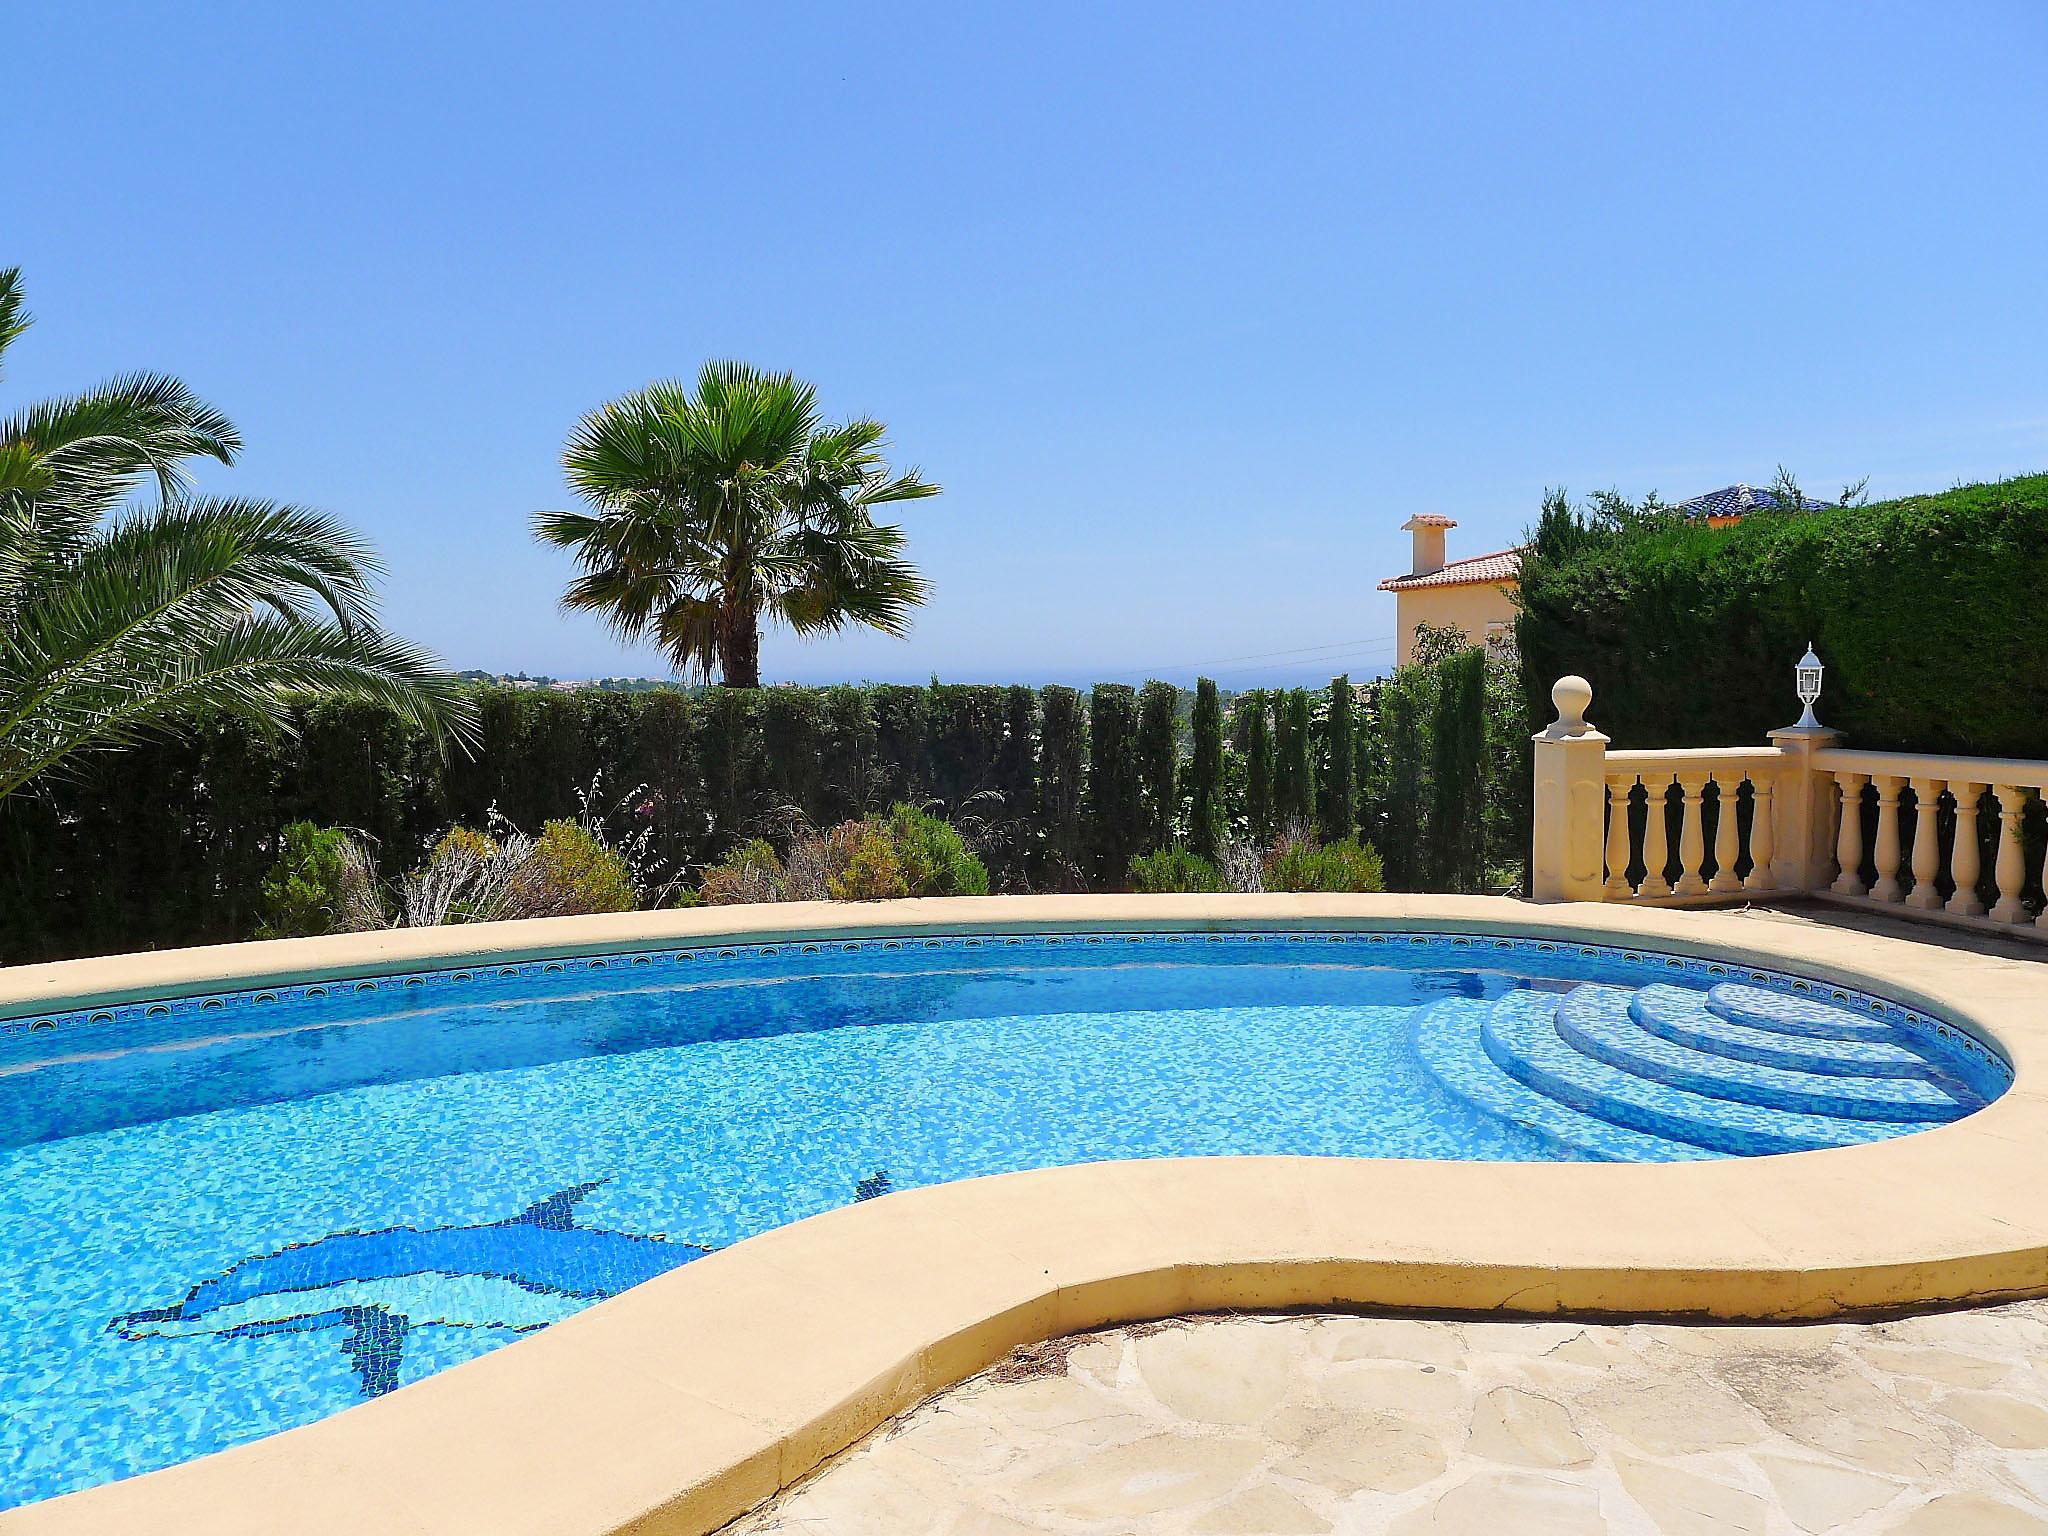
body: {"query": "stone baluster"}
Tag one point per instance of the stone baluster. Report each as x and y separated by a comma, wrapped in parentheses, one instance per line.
(1884, 853)
(1727, 831)
(1849, 837)
(1656, 838)
(2041, 922)
(1926, 844)
(1763, 837)
(1620, 787)
(1965, 862)
(2010, 870)
(1692, 844)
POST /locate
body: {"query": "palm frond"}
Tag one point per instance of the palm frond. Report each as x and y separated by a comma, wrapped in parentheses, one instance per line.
(92, 449)
(256, 666)
(14, 316)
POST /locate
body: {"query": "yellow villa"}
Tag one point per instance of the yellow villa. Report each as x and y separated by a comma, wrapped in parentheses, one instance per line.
(1474, 595)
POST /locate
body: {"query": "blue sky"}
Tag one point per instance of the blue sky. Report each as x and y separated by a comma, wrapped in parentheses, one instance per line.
(1187, 307)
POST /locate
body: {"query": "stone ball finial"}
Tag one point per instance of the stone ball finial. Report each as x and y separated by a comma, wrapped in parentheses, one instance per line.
(1571, 694)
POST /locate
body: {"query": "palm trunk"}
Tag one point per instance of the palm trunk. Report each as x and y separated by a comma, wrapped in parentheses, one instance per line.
(739, 646)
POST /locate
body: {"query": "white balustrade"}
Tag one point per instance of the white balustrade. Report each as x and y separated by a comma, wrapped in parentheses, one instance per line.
(1727, 833)
(1966, 860)
(1806, 798)
(1763, 845)
(1884, 852)
(1656, 838)
(1926, 843)
(1620, 789)
(2011, 869)
(1849, 836)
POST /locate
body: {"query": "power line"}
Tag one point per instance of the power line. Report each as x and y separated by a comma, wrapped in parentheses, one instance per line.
(1337, 650)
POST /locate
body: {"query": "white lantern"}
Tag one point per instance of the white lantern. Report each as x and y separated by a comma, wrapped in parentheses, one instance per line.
(1808, 673)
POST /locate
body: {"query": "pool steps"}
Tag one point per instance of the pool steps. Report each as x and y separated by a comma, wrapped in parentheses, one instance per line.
(1684, 1018)
(1661, 1073)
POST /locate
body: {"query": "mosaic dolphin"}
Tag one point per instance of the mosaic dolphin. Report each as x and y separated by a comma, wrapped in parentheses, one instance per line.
(518, 1274)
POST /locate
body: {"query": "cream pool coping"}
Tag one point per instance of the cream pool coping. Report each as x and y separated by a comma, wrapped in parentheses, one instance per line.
(680, 1404)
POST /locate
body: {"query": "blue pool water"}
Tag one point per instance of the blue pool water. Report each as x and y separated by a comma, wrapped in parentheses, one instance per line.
(221, 1217)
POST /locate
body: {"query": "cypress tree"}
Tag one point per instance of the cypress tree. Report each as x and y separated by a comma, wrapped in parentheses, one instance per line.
(1205, 773)
(1115, 797)
(1457, 774)
(1293, 785)
(1401, 729)
(1158, 762)
(1340, 791)
(1016, 770)
(1257, 739)
(1060, 757)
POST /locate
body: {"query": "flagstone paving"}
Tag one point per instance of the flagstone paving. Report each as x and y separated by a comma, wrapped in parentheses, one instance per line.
(1243, 1426)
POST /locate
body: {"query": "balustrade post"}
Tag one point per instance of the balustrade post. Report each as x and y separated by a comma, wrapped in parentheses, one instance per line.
(1965, 861)
(1692, 842)
(1884, 853)
(1567, 861)
(1620, 786)
(1849, 837)
(1926, 844)
(1656, 836)
(1727, 831)
(2010, 869)
(1762, 838)
(1805, 840)
(2041, 922)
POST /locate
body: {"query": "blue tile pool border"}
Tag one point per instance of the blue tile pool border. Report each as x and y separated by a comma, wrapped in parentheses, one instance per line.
(695, 959)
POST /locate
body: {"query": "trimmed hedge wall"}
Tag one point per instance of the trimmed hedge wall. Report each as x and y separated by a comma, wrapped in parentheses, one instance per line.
(1930, 612)
(169, 843)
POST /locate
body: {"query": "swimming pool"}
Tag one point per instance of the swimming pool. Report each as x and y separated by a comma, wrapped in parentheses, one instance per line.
(225, 1216)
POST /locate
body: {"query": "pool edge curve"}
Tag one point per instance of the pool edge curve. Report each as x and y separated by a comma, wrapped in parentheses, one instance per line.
(682, 1403)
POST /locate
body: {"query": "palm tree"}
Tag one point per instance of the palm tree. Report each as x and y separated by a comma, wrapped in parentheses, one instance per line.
(716, 508)
(117, 619)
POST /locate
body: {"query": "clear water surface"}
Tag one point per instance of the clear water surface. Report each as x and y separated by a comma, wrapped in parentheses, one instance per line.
(225, 1217)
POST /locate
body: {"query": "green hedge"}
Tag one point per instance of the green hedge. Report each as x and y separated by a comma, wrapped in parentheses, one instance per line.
(1929, 612)
(169, 843)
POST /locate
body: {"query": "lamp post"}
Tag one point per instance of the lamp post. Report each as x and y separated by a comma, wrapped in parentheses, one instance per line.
(1803, 798)
(1807, 674)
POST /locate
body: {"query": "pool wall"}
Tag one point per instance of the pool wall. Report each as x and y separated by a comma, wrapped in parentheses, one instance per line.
(680, 1404)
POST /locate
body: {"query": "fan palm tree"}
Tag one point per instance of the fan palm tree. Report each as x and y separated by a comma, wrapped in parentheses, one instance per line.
(718, 507)
(118, 619)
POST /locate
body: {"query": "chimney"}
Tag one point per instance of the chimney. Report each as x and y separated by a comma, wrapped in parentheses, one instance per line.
(1428, 529)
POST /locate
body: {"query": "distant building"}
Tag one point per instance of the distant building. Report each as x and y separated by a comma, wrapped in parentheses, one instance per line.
(1727, 505)
(1476, 594)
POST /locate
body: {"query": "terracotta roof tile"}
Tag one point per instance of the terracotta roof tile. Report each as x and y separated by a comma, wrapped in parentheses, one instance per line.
(1503, 565)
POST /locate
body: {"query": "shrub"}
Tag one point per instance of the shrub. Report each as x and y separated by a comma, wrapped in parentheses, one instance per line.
(1298, 863)
(572, 872)
(1174, 869)
(906, 853)
(874, 872)
(935, 859)
(318, 882)
(751, 872)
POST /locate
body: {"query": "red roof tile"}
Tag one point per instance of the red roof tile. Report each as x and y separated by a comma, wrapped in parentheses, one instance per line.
(1502, 566)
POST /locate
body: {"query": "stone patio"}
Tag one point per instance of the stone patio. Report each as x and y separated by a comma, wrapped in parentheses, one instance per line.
(1239, 1426)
